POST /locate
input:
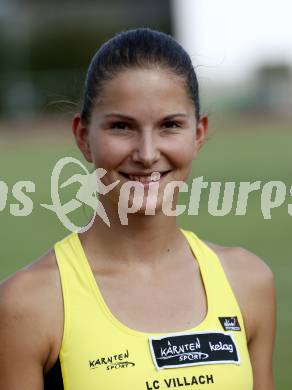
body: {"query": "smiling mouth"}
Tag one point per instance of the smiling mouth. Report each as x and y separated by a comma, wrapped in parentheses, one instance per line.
(151, 178)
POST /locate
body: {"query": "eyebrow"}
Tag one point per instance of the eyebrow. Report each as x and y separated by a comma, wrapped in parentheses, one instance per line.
(127, 117)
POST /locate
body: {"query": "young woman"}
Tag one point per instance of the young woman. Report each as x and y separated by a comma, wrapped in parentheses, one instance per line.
(143, 305)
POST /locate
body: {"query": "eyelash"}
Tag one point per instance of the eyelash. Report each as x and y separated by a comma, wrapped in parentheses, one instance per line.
(116, 125)
(125, 126)
(172, 123)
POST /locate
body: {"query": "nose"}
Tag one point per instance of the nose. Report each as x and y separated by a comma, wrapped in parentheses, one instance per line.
(146, 150)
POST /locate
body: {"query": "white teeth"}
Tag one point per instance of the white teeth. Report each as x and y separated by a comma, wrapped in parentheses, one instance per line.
(155, 176)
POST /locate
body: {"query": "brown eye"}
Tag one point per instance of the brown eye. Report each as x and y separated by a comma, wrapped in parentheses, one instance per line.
(120, 125)
(171, 125)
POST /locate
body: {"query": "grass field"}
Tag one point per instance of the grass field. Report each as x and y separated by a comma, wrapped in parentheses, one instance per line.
(235, 151)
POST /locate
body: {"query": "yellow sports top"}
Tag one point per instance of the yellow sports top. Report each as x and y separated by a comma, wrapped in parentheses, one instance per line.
(98, 352)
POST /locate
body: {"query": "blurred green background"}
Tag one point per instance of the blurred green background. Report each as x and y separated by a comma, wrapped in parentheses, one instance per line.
(230, 154)
(45, 48)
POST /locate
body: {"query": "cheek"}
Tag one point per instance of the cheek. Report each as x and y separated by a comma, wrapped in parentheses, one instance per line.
(182, 153)
(108, 153)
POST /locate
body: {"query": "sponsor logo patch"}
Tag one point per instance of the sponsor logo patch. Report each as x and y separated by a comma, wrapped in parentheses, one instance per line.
(229, 323)
(192, 349)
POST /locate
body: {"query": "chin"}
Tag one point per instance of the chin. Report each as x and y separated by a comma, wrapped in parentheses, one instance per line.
(143, 206)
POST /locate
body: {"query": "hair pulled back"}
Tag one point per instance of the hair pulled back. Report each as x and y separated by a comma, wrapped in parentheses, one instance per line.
(138, 48)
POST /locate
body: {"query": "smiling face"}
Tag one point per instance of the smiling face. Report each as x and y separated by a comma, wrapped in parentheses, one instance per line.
(144, 122)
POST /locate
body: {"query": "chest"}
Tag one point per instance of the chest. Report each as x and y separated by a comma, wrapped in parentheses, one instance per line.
(156, 302)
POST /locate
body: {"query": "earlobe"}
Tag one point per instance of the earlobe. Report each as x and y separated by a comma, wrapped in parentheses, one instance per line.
(80, 132)
(201, 133)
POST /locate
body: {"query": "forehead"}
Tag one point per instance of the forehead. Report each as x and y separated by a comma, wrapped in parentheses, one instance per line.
(145, 91)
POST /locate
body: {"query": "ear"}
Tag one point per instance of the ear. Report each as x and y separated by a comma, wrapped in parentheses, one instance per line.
(201, 133)
(81, 133)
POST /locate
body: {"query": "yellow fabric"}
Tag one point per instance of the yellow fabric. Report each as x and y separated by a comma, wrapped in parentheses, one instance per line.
(98, 352)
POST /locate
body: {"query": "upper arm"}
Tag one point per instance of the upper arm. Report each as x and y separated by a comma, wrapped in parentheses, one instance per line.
(253, 284)
(24, 350)
(261, 343)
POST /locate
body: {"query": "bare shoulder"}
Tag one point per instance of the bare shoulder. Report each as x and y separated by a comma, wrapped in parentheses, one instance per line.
(241, 261)
(251, 280)
(30, 300)
(31, 284)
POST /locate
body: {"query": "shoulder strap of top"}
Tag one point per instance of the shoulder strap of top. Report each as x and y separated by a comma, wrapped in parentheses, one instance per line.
(75, 280)
(216, 283)
(72, 262)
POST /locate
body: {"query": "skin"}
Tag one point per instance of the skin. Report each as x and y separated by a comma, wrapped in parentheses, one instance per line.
(31, 306)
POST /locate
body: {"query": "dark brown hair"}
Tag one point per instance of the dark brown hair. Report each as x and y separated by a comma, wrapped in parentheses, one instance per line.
(139, 48)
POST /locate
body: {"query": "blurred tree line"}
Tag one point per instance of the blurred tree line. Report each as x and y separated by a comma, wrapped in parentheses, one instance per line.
(46, 46)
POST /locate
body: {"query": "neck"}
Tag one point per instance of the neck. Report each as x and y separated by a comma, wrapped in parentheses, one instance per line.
(145, 239)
